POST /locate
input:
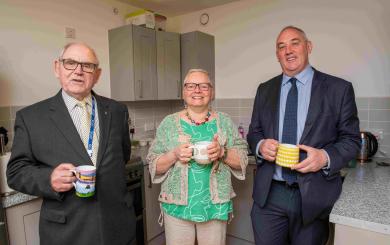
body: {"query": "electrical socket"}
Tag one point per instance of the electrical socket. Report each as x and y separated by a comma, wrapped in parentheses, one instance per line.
(70, 32)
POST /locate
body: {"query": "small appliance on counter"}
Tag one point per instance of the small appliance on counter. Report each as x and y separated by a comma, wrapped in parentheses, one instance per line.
(4, 188)
(3, 140)
(369, 146)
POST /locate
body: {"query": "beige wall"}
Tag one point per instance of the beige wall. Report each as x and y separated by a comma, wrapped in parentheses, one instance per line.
(31, 37)
(351, 40)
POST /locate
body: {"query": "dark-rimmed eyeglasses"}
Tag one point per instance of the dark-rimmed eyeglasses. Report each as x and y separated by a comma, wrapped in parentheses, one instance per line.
(201, 86)
(72, 65)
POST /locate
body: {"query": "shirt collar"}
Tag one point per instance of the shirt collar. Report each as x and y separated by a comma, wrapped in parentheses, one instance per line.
(71, 102)
(302, 77)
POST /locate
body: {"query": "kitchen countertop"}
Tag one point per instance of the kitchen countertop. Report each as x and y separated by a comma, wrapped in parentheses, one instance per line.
(365, 199)
(15, 198)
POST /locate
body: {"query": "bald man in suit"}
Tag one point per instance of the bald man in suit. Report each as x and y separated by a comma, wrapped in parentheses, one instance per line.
(316, 111)
(49, 142)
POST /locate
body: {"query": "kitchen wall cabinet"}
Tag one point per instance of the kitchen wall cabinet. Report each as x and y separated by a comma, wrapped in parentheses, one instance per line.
(240, 229)
(197, 51)
(132, 52)
(150, 65)
(23, 223)
(168, 65)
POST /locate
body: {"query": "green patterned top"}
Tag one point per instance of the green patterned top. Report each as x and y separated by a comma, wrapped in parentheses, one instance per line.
(174, 182)
(199, 208)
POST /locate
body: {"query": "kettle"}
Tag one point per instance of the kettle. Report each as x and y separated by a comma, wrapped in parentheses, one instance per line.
(369, 146)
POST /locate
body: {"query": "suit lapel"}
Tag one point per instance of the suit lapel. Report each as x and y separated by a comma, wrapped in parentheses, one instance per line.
(315, 107)
(61, 118)
(104, 125)
(275, 100)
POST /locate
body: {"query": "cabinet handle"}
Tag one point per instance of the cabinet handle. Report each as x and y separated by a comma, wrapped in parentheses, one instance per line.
(178, 89)
(150, 180)
(140, 89)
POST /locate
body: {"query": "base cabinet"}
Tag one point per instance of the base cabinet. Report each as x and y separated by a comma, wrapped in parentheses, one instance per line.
(240, 229)
(23, 223)
(152, 210)
(352, 235)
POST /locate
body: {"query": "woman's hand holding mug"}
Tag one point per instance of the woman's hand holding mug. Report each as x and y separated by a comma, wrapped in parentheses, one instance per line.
(215, 150)
(183, 153)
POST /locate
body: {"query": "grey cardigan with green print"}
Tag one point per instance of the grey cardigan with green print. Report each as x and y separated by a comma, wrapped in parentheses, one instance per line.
(174, 187)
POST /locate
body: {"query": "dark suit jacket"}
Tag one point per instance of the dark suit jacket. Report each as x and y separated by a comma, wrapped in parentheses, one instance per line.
(332, 124)
(45, 136)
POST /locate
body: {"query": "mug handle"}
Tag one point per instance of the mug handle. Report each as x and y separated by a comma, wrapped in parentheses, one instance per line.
(75, 173)
(195, 151)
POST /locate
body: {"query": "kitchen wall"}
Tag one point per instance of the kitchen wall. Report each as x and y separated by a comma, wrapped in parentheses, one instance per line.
(373, 112)
(33, 34)
(374, 115)
(140, 113)
(350, 39)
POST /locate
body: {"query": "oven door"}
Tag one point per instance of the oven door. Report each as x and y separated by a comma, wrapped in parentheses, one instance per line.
(135, 188)
(3, 226)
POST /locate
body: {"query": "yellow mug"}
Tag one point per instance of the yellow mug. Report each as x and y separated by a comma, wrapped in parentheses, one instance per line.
(287, 155)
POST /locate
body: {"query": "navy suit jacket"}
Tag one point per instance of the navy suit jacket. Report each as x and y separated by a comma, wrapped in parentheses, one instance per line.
(332, 124)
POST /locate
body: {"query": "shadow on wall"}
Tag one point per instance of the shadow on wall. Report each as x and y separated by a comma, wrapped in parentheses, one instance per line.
(5, 82)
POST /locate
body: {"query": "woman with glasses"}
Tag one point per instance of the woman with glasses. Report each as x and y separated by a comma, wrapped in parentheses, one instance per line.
(196, 197)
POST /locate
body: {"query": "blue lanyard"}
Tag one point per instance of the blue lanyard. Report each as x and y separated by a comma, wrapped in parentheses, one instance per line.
(92, 129)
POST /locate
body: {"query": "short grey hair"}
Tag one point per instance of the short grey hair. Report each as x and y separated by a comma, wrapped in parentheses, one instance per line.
(295, 28)
(198, 70)
(68, 45)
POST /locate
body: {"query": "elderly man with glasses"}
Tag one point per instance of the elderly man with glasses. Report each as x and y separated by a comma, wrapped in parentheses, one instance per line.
(75, 127)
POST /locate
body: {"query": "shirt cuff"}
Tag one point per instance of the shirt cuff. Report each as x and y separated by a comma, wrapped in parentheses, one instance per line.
(326, 168)
(259, 157)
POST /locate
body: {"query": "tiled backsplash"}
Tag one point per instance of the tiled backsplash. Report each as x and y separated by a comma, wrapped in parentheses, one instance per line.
(374, 114)
(147, 115)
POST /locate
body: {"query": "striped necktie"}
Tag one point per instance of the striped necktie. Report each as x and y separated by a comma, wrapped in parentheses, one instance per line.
(85, 118)
(289, 135)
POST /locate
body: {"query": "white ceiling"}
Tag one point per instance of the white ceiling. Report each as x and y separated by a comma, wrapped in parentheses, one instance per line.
(175, 7)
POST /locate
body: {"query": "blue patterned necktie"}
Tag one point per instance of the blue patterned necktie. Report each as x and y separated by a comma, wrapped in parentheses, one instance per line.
(289, 135)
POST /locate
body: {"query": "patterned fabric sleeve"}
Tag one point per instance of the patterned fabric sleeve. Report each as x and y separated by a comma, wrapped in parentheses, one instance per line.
(234, 141)
(158, 148)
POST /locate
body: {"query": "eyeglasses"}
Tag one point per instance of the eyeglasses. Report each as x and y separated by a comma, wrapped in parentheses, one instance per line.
(201, 86)
(70, 64)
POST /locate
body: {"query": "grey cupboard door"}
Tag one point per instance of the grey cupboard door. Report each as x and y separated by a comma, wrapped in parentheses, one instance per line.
(120, 42)
(168, 65)
(197, 51)
(144, 59)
